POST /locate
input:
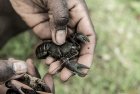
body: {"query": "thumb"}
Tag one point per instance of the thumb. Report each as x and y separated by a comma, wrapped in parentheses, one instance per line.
(58, 20)
(49, 81)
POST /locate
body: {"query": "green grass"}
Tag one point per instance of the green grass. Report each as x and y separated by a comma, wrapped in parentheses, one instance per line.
(116, 65)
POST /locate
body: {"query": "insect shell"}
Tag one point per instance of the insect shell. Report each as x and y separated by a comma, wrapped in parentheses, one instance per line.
(11, 69)
(45, 48)
(67, 53)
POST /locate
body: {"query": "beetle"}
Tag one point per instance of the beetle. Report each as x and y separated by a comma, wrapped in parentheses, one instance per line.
(67, 53)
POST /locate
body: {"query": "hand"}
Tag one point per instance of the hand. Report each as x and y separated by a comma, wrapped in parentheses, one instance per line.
(31, 69)
(56, 19)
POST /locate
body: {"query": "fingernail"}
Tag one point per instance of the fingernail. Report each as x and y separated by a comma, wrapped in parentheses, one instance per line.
(60, 37)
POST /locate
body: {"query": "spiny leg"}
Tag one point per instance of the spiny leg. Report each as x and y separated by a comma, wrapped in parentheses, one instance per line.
(71, 64)
(70, 55)
(65, 59)
(75, 67)
(81, 37)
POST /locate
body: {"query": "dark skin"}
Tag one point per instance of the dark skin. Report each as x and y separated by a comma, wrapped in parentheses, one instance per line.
(32, 71)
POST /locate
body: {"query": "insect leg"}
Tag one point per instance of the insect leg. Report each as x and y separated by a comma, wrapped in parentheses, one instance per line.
(75, 67)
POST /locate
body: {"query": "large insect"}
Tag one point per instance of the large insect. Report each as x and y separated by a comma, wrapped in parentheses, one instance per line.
(18, 81)
(67, 53)
(32, 85)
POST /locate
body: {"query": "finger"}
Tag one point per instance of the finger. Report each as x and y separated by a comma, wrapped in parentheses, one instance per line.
(87, 62)
(86, 52)
(54, 67)
(58, 20)
(75, 7)
(65, 74)
(80, 20)
(17, 85)
(49, 81)
(87, 49)
(32, 70)
(42, 30)
(20, 87)
(85, 26)
(49, 60)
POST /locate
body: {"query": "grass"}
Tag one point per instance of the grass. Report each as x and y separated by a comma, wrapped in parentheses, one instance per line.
(116, 65)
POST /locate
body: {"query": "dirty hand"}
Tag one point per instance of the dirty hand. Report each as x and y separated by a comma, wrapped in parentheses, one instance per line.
(19, 68)
(56, 19)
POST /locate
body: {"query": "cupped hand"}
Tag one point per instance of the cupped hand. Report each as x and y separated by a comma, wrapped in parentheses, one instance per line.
(31, 69)
(55, 20)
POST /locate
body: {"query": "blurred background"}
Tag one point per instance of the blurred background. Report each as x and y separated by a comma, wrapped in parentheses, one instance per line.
(116, 65)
